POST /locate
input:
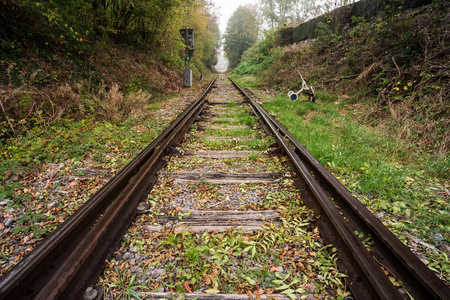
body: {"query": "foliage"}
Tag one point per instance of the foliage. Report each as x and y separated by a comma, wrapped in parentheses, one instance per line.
(381, 123)
(395, 65)
(43, 174)
(241, 34)
(276, 13)
(65, 59)
(399, 183)
(69, 26)
(259, 56)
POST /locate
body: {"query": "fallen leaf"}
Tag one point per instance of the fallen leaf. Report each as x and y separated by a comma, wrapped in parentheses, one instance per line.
(250, 295)
(212, 291)
(187, 287)
(259, 292)
(274, 269)
(73, 184)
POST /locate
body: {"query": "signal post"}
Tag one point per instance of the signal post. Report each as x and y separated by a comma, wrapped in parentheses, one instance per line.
(188, 35)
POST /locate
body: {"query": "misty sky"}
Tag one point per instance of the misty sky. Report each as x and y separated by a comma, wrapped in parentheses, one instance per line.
(226, 9)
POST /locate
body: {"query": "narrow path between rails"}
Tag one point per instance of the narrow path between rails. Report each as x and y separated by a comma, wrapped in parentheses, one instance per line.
(221, 220)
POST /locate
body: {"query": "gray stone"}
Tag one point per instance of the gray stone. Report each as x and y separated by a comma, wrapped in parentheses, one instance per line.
(4, 202)
(118, 257)
(310, 297)
(160, 290)
(127, 256)
(137, 257)
(132, 261)
(157, 273)
(134, 269)
(90, 294)
(9, 222)
(311, 288)
(438, 236)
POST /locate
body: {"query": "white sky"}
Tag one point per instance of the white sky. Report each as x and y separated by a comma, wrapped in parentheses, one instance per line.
(226, 9)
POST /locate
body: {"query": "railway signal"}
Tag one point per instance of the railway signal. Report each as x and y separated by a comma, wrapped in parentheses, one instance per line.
(188, 36)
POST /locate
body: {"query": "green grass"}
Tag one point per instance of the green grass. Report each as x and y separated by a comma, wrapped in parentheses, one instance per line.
(231, 104)
(370, 163)
(104, 145)
(402, 184)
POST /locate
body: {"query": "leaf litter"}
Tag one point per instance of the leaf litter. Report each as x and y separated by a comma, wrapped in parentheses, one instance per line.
(160, 254)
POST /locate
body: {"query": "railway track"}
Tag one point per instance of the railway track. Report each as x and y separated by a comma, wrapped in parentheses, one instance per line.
(225, 220)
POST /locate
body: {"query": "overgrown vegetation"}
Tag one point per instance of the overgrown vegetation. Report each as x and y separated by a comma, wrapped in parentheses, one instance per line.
(395, 67)
(287, 258)
(64, 59)
(382, 119)
(48, 173)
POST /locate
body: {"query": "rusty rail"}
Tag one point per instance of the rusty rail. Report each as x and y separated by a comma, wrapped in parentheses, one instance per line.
(72, 256)
(341, 215)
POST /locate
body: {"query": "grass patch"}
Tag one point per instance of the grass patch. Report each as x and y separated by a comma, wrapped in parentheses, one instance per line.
(231, 104)
(37, 185)
(401, 183)
(246, 80)
(393, 178)
(255, 162)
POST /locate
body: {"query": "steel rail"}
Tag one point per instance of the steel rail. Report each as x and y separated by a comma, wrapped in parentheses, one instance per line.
(420, 281)
(347, 215)
(72, 256)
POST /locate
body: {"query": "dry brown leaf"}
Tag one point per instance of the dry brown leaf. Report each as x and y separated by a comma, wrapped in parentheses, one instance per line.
(259, 292)
(187, 287)
(274, 269)
(250, 295)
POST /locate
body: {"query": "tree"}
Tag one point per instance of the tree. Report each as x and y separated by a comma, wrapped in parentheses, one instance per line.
(326, 6)
(241, 33)
(204, 21)
(278, 12)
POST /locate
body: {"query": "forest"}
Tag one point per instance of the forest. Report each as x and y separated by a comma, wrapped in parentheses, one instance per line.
(59, 58)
